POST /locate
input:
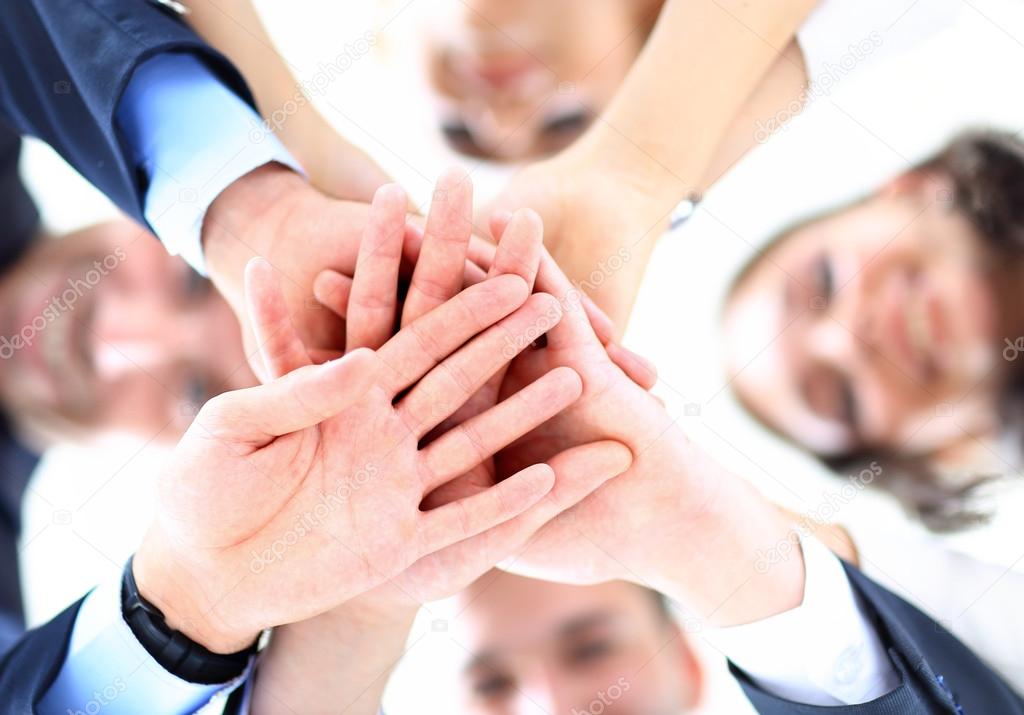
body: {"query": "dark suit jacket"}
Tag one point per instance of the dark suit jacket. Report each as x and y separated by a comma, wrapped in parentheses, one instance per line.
(18, 226)
(63, 67)
(940, 674)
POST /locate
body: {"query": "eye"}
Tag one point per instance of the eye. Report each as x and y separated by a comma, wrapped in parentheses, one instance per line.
(572, 122)
(493, 686)
(590, 651)
(825, 278)
(457, 134)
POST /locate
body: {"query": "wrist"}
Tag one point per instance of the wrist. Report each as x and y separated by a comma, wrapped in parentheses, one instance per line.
(186, 600)
(259, 199)
(650, 186)
(737, 562)
(364, 617)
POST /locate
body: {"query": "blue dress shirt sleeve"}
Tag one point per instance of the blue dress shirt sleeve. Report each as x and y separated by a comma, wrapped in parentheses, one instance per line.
(190, 137)
(107, 670)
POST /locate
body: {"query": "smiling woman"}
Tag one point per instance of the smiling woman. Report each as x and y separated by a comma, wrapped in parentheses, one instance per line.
(878, 331)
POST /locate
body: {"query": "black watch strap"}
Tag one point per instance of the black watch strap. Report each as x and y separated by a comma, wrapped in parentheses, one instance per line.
(173, 650)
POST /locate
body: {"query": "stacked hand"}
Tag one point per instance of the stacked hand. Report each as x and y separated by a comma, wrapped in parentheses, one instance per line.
(648, 525)
(290, 498)
(495, 426)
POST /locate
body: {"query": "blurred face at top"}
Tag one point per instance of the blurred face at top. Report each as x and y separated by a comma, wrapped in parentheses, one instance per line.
(878, 327)
(540, 648)
(519, 79)
(104, 331)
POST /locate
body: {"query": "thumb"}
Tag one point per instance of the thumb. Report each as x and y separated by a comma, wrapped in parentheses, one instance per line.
(303, 398)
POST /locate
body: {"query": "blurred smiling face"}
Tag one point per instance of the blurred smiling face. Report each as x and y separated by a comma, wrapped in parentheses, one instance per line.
(876, 327)
(518, 80)
(544, 648)
(104, 331)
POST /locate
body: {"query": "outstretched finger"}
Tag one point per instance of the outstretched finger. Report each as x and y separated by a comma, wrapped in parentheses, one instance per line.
(520, 247)
(448, 386)
(468, 517)
(467, 444)
(373, 300)
(302, 398)
(575, 330)
(278, 342)
(438, 274)
(332, 290)
(419, 347)
(579, 472)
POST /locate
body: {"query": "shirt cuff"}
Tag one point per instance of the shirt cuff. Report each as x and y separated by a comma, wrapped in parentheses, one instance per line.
(191, 137)
(107, 670)
(823, 652)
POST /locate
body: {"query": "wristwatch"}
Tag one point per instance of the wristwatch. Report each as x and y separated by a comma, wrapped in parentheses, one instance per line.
(173, 650)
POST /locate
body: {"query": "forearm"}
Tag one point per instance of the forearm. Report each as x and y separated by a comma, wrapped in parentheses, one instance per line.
(695, 74)
(333, 164)
(337, 662)
(750, 566)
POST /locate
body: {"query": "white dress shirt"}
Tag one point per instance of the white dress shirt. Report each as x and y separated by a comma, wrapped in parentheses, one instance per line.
(823, 652)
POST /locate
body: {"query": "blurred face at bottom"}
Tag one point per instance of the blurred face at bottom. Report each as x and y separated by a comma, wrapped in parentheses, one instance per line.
(536, 647)
(877, 327)
(103, 331)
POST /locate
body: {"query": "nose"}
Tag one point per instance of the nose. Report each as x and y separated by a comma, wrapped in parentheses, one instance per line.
(831, 342)
(539, 693)
(847, 327)
(502, 129)
(837, 331)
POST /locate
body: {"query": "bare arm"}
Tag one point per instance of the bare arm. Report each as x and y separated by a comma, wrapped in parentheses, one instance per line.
(333, 164)
(686, 112)
(337, 662)
(689, 87)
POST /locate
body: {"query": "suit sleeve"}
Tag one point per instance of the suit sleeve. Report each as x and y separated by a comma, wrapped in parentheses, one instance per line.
(939, 675)
(20, 216)
(64, 65)
(30, 666)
